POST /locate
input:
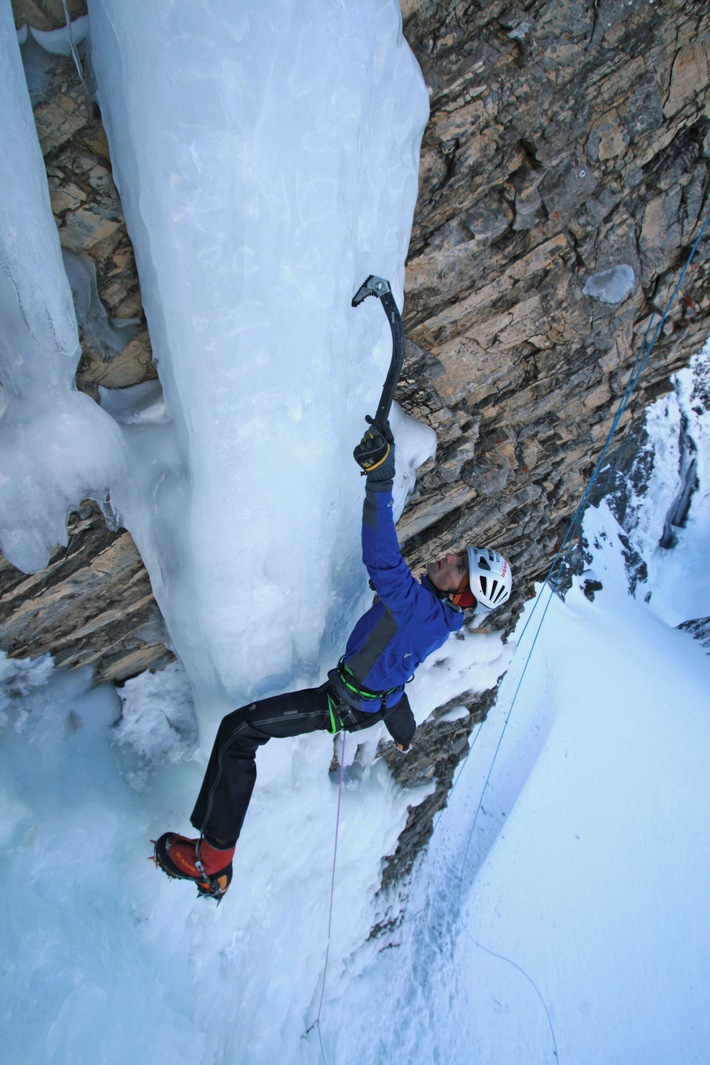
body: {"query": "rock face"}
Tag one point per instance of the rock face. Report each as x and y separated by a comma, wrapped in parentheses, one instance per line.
(92, 605)
(46, 14)
(564, 178)
(566, 140)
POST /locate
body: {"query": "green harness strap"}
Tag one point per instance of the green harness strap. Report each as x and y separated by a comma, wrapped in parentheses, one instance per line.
(359, 689)
(336, 725)
(347, 678)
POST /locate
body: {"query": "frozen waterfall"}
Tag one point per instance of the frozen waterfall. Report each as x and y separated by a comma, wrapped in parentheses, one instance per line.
(266, 155)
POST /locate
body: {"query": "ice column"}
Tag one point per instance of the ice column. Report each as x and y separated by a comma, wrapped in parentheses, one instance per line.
(266, 154)
(56, 446)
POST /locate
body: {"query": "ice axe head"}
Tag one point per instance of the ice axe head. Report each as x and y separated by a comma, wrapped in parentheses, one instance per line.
(371, 286)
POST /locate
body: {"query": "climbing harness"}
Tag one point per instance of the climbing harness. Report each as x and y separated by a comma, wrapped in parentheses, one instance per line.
(344, 706)
(336, 724)
(360, 691)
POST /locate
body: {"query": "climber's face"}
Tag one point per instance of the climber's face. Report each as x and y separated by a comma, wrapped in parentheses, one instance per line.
(449, 573)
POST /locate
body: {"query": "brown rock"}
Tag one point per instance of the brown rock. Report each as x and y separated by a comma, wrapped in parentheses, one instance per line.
(46, 14)
(92, 605)
(689, 77)
(86, 227)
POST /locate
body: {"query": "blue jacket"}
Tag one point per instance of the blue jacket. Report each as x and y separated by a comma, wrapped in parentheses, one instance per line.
(408, 619)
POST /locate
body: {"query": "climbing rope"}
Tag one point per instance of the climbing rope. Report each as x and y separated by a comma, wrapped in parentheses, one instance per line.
(552, 580)
(316, 1023)
(553, 575)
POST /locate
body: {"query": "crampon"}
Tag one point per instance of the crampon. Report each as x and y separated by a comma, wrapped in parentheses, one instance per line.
(180, 859)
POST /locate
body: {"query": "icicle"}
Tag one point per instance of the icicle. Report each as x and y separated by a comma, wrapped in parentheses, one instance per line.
(74, 51)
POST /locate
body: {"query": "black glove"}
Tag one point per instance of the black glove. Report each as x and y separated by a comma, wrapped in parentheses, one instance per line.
(375, 452)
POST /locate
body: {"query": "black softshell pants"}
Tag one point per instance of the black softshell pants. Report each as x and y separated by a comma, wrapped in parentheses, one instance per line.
(231, 771)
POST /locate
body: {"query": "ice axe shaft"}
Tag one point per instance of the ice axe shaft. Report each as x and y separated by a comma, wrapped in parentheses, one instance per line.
(378, 287)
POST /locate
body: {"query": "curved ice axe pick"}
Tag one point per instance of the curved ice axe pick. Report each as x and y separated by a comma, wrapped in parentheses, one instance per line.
(372, 452)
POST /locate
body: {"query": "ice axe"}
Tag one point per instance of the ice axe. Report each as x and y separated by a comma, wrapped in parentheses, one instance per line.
(374, 447)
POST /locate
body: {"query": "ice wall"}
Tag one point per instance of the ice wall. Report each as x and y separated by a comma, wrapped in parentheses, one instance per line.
(266, 154)
(56, 446)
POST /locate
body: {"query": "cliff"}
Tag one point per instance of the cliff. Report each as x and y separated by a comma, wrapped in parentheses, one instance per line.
(565, 140)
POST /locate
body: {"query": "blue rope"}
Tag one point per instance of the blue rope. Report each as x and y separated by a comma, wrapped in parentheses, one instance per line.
(563, 550)
(558, 561)
(636, 370)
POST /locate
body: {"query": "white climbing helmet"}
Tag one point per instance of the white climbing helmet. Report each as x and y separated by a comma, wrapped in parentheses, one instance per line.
(489, 577)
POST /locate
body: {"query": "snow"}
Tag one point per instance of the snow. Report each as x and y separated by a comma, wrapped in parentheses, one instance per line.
(679, 581)
(612, 285)
(63, 40)
(560, 911)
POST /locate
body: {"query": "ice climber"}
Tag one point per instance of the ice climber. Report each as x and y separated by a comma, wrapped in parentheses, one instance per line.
(408, 620)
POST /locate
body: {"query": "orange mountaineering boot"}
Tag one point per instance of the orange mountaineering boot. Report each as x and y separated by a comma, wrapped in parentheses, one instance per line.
(209, 867)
